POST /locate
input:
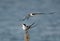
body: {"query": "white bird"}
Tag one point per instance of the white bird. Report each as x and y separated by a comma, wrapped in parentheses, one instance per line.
(33, 14)
(25, 27)
(30, 15)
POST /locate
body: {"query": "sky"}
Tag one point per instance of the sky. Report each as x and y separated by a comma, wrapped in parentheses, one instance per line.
(47, 28)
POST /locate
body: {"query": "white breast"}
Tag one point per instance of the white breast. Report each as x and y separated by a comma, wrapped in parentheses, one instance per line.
(31, 14)
(24, 27)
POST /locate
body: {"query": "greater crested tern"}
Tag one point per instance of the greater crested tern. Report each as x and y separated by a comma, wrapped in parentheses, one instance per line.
(34, 14)
(26, 28)
(31, 15)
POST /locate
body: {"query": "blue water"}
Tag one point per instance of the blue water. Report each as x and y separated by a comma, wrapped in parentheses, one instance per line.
(48, 28)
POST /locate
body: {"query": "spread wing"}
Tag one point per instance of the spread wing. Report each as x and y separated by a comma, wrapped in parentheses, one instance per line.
(28, 27)
(28, 15)
(32, 24)
(25, 18)
(37, 13)
(52, 13)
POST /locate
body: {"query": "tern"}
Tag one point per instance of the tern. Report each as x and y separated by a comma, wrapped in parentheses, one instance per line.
(30, 15)
(26, 28)
(33, 14)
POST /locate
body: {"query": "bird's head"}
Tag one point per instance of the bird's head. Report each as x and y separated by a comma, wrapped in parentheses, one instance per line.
(31, 14)
(24, 24)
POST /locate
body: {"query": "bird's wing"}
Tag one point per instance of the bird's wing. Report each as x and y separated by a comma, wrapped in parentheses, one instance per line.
(52, 13)
(32, 24)
(37, 13)
(26, 17)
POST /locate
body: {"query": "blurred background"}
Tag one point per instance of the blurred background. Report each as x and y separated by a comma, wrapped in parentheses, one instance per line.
(48, 28)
